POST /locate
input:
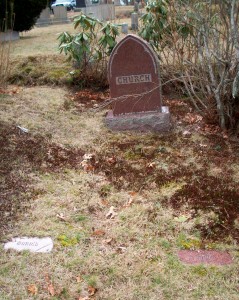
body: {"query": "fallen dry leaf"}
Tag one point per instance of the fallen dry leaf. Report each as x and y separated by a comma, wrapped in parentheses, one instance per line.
(104, 202)
(108, 241)
(86, 165)
(111, 213)
(47, 278)
(78, 279)
(225, 135)
(187, 133)
(98, 232)
(111, 160)
(128, 203)
(88, 156)
(2, 91)
(61, 216)
(91, 290)
(121, 249)
(192, 118)
(90, 168)
(32, 289)
(132, 194)
(151, 165)
(84, 298)
(178, 154)
(51, 289)
(15, 90)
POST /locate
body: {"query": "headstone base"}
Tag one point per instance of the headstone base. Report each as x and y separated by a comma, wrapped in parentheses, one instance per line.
(143, 121)
(9, 36)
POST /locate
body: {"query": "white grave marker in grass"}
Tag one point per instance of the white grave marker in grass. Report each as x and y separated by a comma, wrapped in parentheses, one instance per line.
(32, 244)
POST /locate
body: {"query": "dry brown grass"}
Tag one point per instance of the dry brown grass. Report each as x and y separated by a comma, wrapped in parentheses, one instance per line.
(40, 40)
(35, 58)
(43, 40)
(37, 106)
(133, 255)
(5, 48)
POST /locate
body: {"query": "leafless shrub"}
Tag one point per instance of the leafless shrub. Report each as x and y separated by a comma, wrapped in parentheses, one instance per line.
(198, 43)
(5, 47)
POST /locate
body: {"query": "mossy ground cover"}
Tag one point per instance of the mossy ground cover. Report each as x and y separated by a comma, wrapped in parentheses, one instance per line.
(118, 206)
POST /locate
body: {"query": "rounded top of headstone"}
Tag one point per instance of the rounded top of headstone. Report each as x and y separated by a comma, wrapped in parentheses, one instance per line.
(133, 39)
(133, 73)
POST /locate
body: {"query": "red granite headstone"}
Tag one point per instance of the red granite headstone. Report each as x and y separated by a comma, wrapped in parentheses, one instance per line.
(205, 257)
(134, 80)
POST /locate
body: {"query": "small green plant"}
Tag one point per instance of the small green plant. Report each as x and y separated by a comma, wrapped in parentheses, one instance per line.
(105, 190)
(185, 242)
(92, 281)
(64, 294)
(90, 47)
(68, 241)
(165, 244)
(80, 218)
(173, 263)
(200, 270)
(130, 154)
(157, 280)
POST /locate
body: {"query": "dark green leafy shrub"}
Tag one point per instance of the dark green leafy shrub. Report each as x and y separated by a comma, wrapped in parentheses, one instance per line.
(26, 13)
(89, 48)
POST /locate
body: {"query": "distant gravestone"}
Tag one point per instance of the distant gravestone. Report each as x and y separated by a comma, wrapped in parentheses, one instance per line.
(135, 88)
(134, 21)
(102, 12)
(117, 2)
(44, 18)
(136, 6)
(60, 14)
(124, 28)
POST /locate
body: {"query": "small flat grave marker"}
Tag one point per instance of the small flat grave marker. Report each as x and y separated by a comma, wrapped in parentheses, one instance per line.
(31, 244)
(135, 88)
(213, 257)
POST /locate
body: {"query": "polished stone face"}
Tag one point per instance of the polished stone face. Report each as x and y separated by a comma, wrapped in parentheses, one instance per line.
(133, 72)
